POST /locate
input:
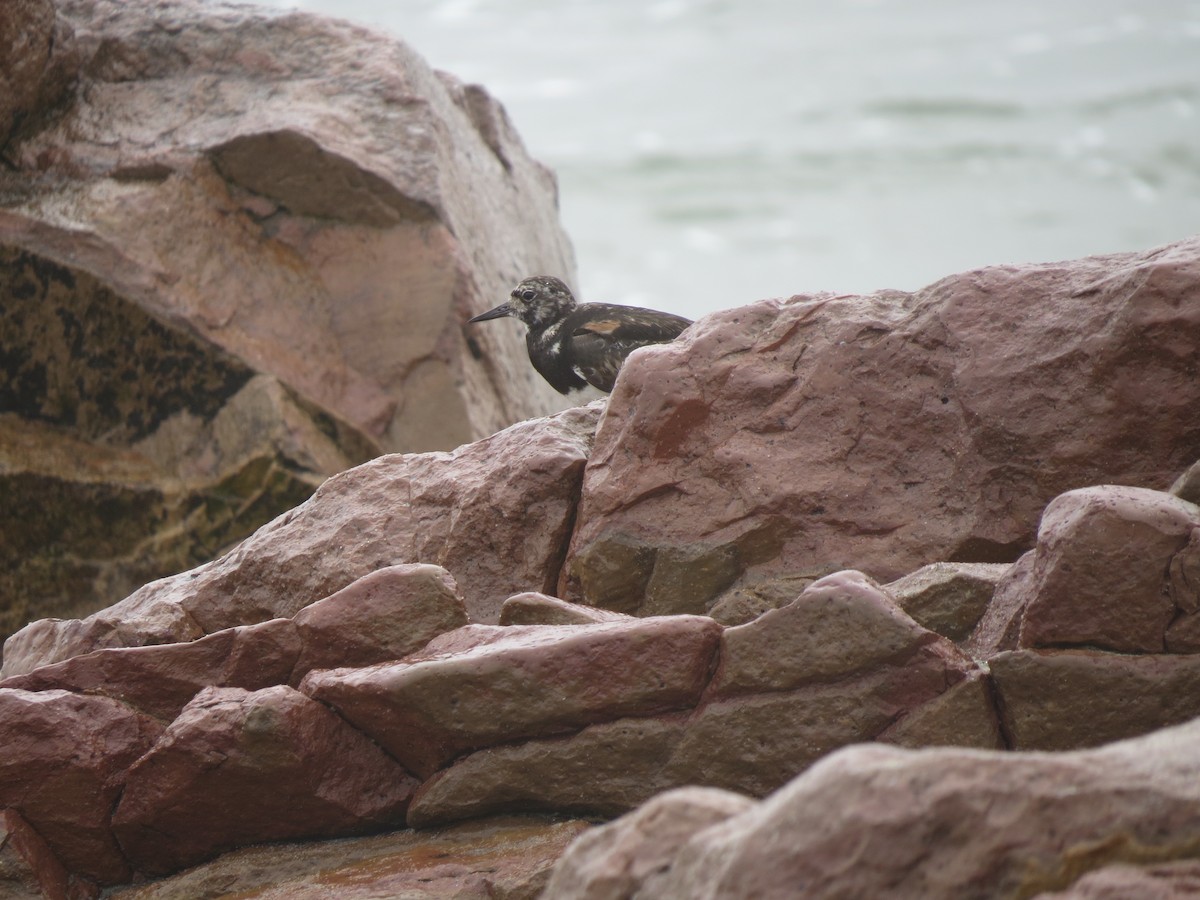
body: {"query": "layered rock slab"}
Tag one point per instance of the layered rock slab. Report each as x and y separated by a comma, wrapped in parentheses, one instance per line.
(925, 427)
(416, 508)
(288, 765)
(873, 821)
(236, 261)
(841, 664)
(482, 686)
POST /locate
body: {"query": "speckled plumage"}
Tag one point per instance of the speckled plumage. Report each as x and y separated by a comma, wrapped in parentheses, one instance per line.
(576, 344)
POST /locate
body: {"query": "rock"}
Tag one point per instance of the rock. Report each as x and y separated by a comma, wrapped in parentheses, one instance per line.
(948, 598)
(1067, 699)
(383, 616)
(508, 858)
(532, 608)
(64, 765)
(841, 664)
(289, 767)
(1183, 635)
(396, 509)
(160, 680)
(932, 426)
(874, 821)
(602, 770)
(1098, 576)
(755, 743)
(1187, 485)
(481, 686)
(631, 855)
(28, 867)
(1165, 881)
(747, 602)
(1113, 568)
(38, 64)
(238, 263)
(1000, 626)
(840, 625)
(963, 716)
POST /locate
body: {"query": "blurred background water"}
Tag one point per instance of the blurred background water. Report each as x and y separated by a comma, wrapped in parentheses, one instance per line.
(711, 153)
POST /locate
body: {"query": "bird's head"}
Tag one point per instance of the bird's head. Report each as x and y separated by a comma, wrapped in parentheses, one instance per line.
(536, 301)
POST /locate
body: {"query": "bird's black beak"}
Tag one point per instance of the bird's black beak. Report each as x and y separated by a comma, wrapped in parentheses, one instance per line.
(502, 310)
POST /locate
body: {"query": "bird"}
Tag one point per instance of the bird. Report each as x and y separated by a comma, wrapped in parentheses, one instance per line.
(575, 344)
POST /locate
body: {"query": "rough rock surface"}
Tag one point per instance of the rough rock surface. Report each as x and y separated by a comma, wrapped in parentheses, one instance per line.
(396, 509)
(533, 608)
(1091, 635)
(65, 757)
(1114, 568)
(628, 857)
(841, 664)
(288, 765)
(160, 680)
(483, 686)
(888, 431)
(505, 858)
(387, 614)
(948, 598)
(38, 64)
(873, 821)
(236, 263)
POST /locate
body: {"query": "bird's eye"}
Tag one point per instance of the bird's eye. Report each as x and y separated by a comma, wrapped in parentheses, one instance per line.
(527, 294)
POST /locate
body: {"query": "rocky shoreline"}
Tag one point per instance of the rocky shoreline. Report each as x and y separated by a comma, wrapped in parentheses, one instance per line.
(885, 595)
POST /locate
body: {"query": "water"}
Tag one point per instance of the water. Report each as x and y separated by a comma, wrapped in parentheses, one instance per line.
(711, 153)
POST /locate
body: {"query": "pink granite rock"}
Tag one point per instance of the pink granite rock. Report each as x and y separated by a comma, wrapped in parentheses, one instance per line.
(349, 258)
(238, 262)
(1100, 575)
(388, 614)
(161, 679)
(28, 867)
(874, 821)
(238, 767)
(396, 509)
(630, 856)
(841, 664)
(888, 431)
(64, 765)
(506, 684)
(1114, 567)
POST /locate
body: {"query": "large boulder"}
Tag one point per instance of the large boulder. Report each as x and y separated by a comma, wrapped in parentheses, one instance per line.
(417, 508)
(238, 262)
(888, 431)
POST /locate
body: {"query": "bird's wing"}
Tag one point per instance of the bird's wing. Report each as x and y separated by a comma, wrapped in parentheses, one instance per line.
(627, 324)
(602, 335)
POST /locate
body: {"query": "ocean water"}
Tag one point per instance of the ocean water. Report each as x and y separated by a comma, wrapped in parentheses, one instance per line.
(711, 153)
